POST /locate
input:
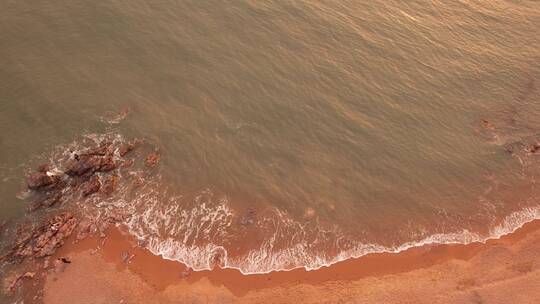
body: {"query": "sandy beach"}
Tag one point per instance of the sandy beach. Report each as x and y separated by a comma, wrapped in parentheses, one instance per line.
(116, 270)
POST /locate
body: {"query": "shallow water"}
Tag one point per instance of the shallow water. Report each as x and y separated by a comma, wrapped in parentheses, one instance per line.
(344, 127)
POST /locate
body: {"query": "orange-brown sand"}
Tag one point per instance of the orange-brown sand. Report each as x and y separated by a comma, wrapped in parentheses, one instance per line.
(506, 270)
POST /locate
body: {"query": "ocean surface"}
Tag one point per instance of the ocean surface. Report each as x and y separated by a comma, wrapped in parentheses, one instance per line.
(291, 133)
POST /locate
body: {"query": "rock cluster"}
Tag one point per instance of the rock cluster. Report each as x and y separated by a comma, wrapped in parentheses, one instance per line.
(43, 240)
(80, 173)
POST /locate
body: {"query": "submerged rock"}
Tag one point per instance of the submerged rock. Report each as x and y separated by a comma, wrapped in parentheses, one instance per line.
(110, 184)
(248, 218)
(152, 159)
(125, 148)
(92, 186)
(46, 202)
(535, 148)
(13, 281)
(44, 168)
(40, 180)
(83, 165)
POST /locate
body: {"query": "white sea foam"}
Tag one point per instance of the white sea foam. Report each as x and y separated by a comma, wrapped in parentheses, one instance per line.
(195, 236)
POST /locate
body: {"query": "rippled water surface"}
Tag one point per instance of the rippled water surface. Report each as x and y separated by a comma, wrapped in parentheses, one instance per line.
(292, 133)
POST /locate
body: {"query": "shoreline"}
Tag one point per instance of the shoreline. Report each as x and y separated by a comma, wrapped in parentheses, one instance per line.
(510, 224)
(123, 260)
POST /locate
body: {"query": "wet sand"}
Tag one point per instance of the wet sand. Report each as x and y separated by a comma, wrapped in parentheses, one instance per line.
(116, 270)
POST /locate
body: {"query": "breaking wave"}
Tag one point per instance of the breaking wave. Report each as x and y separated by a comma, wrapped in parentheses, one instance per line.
(264, 259)
(205, 235)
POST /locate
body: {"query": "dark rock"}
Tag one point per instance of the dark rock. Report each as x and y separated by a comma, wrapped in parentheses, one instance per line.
(92, 186)
(99, 151)
(14, 279)
(65, 260)
(39, 180)
(85, 165)
(152, 160)
(44, 168)
(107, 164)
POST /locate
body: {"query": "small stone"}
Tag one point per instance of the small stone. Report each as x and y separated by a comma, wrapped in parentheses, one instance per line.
(59, 266)
(125, 148)
(152, 159)
(309, 213)
(65, 260)
(47, 201)
(487, 124)
(535, 148)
